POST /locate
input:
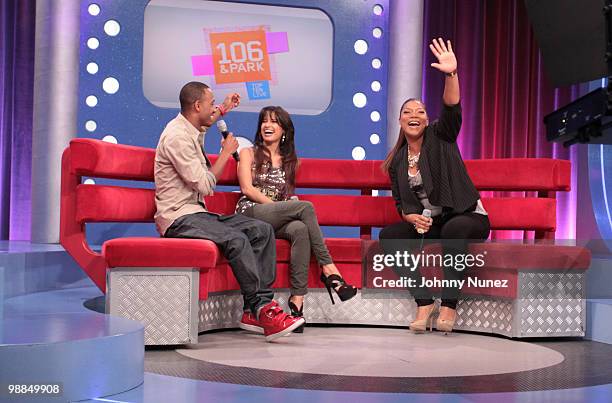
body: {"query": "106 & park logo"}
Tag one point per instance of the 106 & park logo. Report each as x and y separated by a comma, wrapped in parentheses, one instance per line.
(241, 57)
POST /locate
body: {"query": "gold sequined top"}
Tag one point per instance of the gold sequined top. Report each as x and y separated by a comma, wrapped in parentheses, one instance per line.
(271, 183)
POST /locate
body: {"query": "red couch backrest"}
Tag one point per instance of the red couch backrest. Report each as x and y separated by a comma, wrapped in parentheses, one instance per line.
(98, 203)
(105, 160)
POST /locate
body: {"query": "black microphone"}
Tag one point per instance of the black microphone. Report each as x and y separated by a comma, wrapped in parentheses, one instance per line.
(222, 127)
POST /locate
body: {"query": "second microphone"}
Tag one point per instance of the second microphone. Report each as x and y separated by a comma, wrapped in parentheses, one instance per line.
(222, 127)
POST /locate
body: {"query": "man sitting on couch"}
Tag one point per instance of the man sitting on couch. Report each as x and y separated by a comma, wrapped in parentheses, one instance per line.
(183, 176)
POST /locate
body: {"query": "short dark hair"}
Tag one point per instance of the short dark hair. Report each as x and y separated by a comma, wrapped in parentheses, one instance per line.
(191, 92)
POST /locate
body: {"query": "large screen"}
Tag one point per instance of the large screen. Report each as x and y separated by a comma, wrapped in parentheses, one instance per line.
(268, 54)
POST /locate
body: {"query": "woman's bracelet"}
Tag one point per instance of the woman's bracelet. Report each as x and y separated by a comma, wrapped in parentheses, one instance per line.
(452, 74)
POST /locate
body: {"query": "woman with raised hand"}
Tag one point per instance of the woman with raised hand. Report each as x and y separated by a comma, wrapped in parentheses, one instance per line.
(266, 173)
(428, 173)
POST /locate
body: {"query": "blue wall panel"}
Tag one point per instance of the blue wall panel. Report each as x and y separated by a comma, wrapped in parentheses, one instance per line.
(132, 119)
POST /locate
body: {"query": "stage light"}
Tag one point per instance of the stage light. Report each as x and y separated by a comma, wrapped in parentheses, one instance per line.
(374, 138)
(91, 101)
(90, 125)
(93, 43)
(93, 9)
(358, 153)
(112, 28)
(89, 182)
(377, 9)
(110, 139)
(376, 63)
(92, 68)
(361, 47)
(375, 116)
(360, 100)
(375, 86)
(377, 32)
(110, 85)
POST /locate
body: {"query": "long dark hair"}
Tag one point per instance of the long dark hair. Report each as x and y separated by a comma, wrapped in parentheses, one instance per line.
(263, 160)
(401, 139)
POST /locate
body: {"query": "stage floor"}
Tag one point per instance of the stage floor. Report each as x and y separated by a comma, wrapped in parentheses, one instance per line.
(388, 360)
(164, 389)
(326, 363)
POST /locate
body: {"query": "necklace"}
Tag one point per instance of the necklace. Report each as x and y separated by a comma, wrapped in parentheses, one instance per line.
(413, 160)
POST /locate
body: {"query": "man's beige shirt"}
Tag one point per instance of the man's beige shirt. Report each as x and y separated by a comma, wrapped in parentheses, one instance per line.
(182, 177)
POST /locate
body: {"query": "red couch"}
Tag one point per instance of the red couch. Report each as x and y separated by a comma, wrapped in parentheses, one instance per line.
(540, 179)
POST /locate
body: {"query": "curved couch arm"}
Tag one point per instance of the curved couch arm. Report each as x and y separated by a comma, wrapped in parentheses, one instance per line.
(72, 232)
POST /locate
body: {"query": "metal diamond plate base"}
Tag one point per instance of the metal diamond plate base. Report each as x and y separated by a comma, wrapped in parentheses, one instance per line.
(224, 310)
(551, 285)
(551, 304)
(552, 317)
(164, 300)
(387, 308)
(486, 315)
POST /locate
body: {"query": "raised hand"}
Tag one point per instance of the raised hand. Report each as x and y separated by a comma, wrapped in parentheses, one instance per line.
(447, 62)
(231, 102)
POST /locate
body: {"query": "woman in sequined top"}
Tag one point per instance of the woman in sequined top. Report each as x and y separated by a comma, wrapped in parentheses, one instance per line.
(266, 173)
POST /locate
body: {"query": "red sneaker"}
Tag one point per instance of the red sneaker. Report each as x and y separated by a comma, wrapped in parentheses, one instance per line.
(249, 322)
(276, 322)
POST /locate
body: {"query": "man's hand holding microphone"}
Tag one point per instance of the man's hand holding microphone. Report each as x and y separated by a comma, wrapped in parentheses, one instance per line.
(229, 146)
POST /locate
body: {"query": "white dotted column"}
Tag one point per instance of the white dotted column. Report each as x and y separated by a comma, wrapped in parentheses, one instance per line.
(360, 97)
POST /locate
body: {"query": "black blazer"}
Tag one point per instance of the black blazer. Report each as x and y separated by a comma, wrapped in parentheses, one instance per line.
(445, 179)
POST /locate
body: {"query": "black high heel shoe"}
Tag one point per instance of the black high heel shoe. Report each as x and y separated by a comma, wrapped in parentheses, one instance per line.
(298, 314)
(345, 291)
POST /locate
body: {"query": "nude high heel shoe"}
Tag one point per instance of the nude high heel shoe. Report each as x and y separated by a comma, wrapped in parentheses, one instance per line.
(446, 325)
(420, 325)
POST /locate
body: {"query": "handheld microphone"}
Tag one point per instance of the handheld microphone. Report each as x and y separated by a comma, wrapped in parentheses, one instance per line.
(222, 127)
(426, 213)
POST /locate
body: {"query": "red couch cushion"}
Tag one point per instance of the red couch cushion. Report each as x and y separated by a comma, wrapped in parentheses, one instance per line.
(346, 253)
(503, 261)
(516, 256)
(160, 252)
(98, 203)
(520, 174)
(221, 278)
(106, 160)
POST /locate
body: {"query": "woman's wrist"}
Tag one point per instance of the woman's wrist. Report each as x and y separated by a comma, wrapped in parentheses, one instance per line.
(222, 109)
